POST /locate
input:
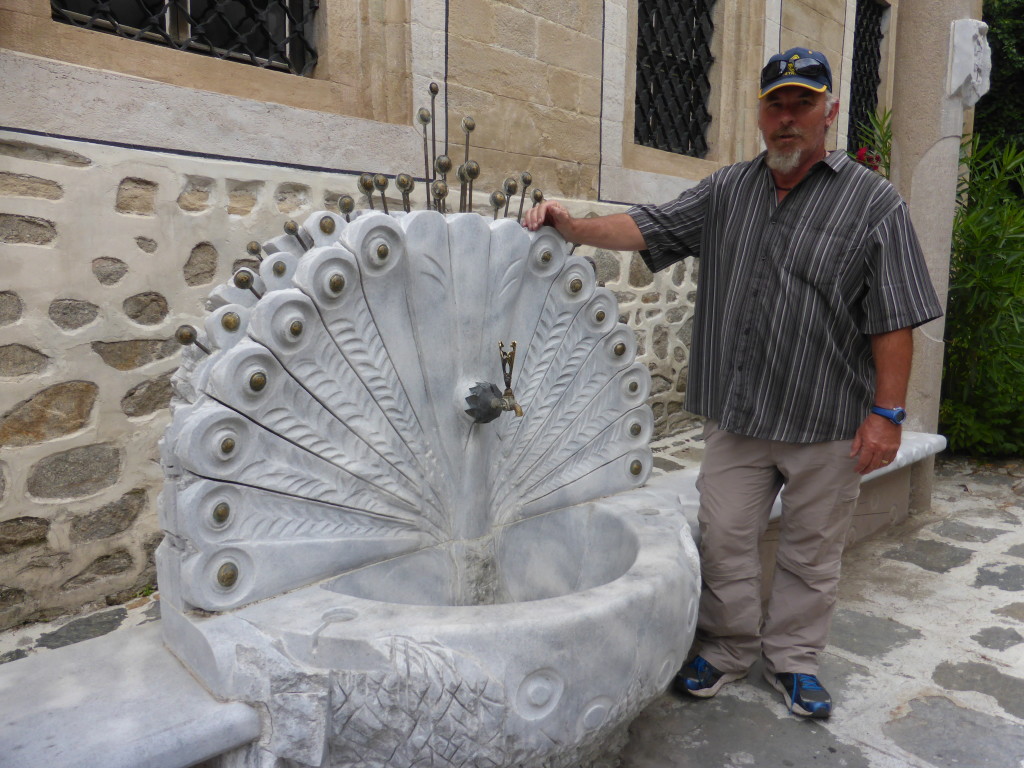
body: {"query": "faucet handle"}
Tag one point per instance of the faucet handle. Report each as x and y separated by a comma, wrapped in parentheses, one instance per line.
(508, 361)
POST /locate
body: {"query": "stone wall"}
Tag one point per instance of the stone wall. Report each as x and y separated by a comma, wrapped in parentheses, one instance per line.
(106, 252)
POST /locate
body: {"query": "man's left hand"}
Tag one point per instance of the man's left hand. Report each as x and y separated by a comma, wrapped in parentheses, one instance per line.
(876, 443)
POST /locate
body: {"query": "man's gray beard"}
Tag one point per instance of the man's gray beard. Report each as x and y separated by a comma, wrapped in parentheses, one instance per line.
(783, 162)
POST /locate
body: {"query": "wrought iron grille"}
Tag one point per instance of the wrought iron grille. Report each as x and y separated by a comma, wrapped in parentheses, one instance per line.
(867, 53)
(276, 34)
(673, 58)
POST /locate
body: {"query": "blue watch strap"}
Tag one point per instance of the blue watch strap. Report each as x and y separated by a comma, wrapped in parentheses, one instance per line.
(895, 415)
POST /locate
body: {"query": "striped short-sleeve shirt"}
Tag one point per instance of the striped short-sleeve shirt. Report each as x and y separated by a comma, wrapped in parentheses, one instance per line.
(789, 293)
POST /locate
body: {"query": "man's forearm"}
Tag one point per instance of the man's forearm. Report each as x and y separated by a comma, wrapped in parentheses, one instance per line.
(893, 353)
(617, 232)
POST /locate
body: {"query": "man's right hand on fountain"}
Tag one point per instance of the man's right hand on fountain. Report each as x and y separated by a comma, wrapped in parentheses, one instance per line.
(548, 214)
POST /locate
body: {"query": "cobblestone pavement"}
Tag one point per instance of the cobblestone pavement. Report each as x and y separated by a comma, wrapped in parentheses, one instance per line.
(925, 665)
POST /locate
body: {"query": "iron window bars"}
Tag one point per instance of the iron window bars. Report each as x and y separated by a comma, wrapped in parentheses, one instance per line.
(276, 34)
(673, 59)
(867, 54)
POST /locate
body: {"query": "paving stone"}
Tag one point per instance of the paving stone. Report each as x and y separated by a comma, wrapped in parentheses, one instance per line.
(108, 270)
(11, 307)
(136, 196)
(989, 513)
(134, 353)
(1017, 550)
(10, 596)
(110, 519)
(195, 197)
(291, 197)
(146, 244)
(19, 360)
(1006, 577)
(148, 308)
(76, 472)
(24, 185)
(958, 531)
(50, 413)
(26, 230)
(201, 265)
(28, 151)
(148, 397)
(998, 638)
(22, 532)
(727, 732)
(934, 730)
(935, 556)
(152, 613)
(868, 636)
(85, 628)
(984, 678)
(609, 266)
(14, 655)
(107, 565)
(639, 275)
(1012, 611)
(242, 197)
(70, 314)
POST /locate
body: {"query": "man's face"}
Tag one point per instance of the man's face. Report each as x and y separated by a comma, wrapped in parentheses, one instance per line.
(793, 122)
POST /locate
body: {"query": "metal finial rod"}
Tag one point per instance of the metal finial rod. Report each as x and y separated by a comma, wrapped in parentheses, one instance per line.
(433, 127)
(186, 335)
(443, 165)
(254, 249)
(527, 180)
(440, 190)
(497, 201)
(473, 172)
(405, 184)
(346, 205)
(380, 181)
(245, 279)
(468, 126)
(510, 187)
(538, 197)
(424, 117)
(366, 184)
(463, 187)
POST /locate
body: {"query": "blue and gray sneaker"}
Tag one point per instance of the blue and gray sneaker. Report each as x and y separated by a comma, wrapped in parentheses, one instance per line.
(804, 694)
(699, 678)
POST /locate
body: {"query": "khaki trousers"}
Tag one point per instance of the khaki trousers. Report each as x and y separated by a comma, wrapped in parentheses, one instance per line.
(739, 480)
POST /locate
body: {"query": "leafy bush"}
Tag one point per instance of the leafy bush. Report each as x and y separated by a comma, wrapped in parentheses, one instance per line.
(875, 140)
(982, 410)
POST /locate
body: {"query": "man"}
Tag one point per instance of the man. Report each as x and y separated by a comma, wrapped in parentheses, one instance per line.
(811, 280)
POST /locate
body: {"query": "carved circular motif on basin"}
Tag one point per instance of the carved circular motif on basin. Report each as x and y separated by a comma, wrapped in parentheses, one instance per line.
(539, 694)
(595, 713)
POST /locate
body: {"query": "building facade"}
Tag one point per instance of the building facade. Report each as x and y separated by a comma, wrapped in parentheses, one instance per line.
(144, 145)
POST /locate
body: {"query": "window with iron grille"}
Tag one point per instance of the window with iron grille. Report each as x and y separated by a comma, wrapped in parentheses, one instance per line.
(867, 53)
(673, 59)
(276, 34)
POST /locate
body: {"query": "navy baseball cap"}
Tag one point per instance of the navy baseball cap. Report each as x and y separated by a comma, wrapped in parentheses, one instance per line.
(797, 66)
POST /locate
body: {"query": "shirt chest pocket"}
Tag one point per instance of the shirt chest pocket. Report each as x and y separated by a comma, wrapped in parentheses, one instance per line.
(814, 252)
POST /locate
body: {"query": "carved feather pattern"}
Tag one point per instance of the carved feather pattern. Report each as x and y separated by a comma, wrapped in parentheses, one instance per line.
(595, 453)
(357, 432)
(357, 340)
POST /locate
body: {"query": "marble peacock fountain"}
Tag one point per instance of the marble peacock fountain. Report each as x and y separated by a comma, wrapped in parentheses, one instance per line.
(404, 498)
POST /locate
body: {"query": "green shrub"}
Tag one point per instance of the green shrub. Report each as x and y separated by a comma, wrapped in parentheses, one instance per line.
(982, 409)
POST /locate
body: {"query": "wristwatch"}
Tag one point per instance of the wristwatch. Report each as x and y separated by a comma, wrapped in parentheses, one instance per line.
(896, 415)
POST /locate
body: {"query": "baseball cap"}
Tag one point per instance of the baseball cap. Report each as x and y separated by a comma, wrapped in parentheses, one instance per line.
(797, 66)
